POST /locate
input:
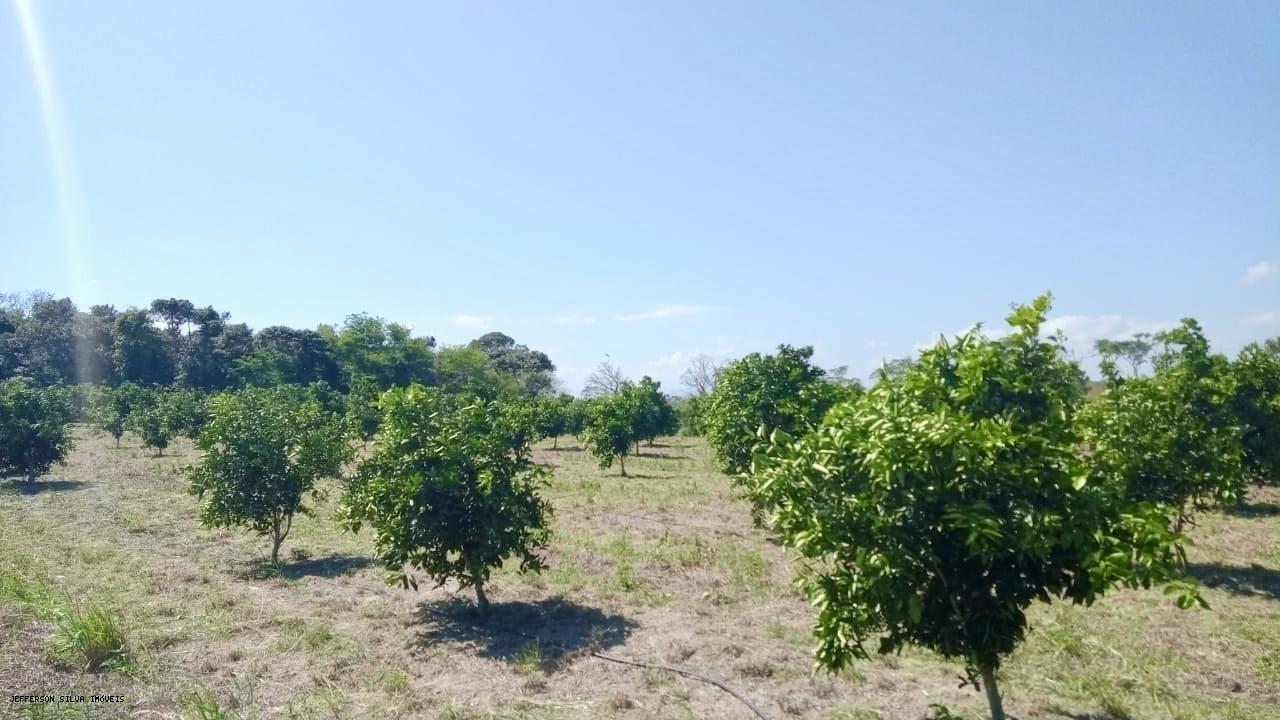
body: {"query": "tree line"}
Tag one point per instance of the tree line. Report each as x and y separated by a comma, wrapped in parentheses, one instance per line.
(175, 342)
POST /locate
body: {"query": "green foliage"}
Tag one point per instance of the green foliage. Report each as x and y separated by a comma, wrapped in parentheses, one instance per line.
(689, 414)
(934, 510)
(1173, 437)
(362, 413)
(1135, 350)
(33, 427)
(651, 412)
(184, 411)
(450, 491)
(467, 369)
(530, 371)
(1257, 407)
(109, 407)
(140, 353)
(151, 423)
(577, 413)
(385, 352)
(609, 431)
(264, 451)
(553, 413)
(775, 392)
(285, 356)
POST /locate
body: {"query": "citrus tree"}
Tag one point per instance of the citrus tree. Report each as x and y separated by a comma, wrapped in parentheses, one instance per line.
(1173, 437)
(934, 509)
(33, 428)
(775, 392)
(264, 451)
(362, 409)
(553, 416)
(1257, 406)
(152, 424)
(609, 430)
(450, 490)
(651, 412)
(109, 407)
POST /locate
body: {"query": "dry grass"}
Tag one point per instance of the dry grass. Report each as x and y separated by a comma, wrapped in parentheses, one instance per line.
(662, 567)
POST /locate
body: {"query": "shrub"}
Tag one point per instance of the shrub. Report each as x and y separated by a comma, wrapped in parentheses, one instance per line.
(934, 510)
(450, 490)
(758, 394)
(1257, 406)
(33, 428)
(610, 430)
(1173, 437)
(264, 452)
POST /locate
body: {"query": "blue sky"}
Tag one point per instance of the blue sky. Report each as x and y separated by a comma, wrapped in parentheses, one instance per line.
(650, 180)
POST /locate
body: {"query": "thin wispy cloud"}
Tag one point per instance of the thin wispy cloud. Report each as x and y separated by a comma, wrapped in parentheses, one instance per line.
(665, 311)
(680, 359)
(1260, 273)
(1268, 317)
(472, 322)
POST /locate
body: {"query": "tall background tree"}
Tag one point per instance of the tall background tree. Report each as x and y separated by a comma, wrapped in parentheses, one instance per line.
(605, 380)
(531, 370)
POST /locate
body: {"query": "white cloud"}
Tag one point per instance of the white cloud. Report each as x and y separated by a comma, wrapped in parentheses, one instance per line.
(678, 360)
(1269, 317)
(473, 322)
(665, 310)
(574, 320)
(1260, 273)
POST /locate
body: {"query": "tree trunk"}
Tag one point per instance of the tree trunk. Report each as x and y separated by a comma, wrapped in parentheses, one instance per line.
(482, 601)
(555, 441)
(31, 465)
(622, 461)
(993, 693)
(477, 582)
(278, 534)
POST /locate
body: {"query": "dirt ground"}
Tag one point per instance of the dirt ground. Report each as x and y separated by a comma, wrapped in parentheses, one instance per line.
(663, 567)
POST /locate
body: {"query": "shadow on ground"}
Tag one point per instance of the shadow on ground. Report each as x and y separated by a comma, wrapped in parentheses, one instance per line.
(1254, 510)
(328, 566)
(1237, 580)
(23, 487)
(549, 633)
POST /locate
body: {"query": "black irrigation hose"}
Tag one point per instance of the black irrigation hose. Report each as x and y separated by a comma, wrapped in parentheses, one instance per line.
(688, 674)
(621, 661)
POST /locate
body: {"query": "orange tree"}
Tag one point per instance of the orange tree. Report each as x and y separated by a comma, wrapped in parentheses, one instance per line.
(934, 509)
(450, 490)
(264, 451)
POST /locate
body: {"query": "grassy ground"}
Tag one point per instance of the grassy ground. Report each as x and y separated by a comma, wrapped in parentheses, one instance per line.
(662, 567)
